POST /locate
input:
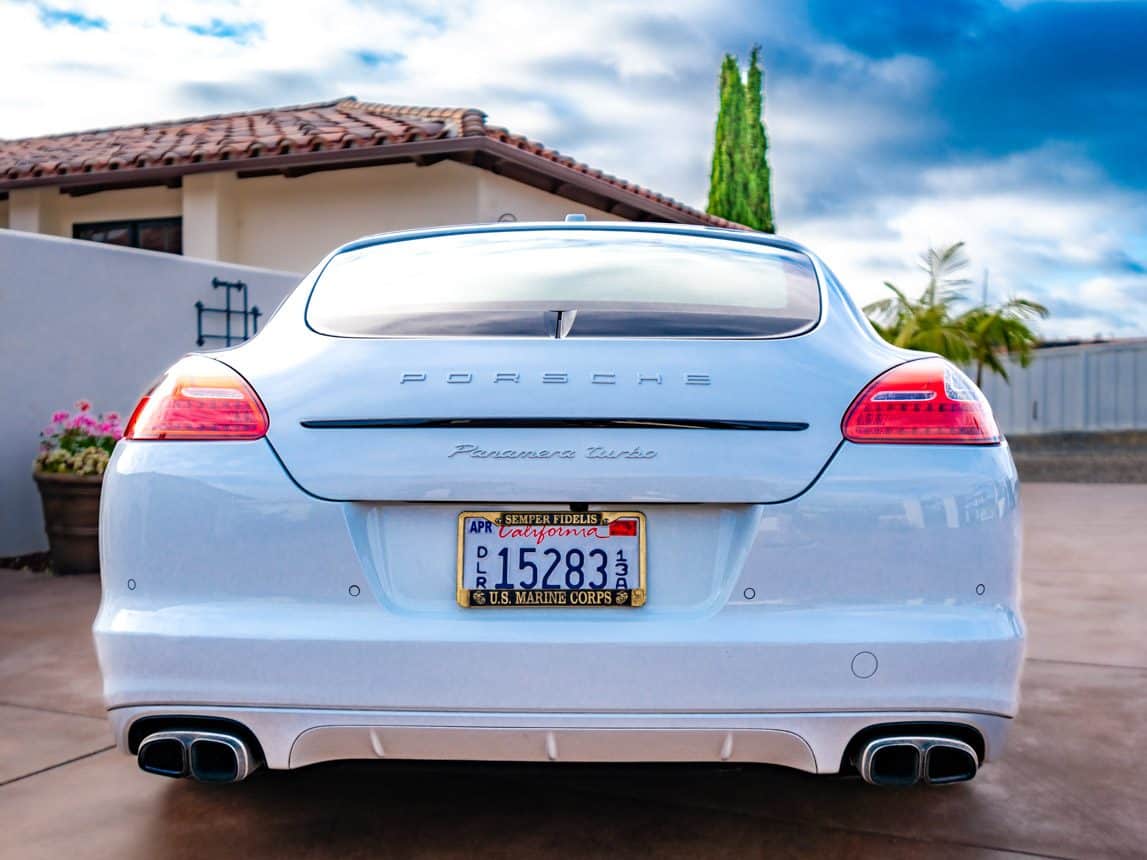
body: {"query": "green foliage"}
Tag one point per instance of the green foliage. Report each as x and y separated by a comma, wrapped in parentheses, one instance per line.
(758, 205)
(92, 460)
(739, 180)
(730, 113)
(1002, 329)
(982, 334)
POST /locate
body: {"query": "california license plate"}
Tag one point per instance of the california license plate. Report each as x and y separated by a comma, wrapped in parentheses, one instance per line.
(551, 558)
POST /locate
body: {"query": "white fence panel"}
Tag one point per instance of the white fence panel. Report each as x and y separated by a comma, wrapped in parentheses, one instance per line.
(1080, 388)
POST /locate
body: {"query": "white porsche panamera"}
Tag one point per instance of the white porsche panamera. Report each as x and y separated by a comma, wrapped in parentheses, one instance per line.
(563, 492)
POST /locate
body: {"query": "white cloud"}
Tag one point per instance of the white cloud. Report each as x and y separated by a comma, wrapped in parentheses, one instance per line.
(1058, 238)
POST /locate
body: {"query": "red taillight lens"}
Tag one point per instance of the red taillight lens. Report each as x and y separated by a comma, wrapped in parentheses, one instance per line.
(925, 402)
(199, 398)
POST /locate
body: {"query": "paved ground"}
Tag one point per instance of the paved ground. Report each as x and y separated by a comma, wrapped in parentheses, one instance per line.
(1072, 783)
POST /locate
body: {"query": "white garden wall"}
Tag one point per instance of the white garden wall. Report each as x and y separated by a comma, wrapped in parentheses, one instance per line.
(82, 320)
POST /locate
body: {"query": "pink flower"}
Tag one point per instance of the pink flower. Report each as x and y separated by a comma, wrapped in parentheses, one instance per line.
(83, 422)
(59, 417)
(50, 430)
(83, 405)
(104, 428)
(112, 417)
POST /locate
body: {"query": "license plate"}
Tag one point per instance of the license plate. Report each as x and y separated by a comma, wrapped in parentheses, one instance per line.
(551, 558)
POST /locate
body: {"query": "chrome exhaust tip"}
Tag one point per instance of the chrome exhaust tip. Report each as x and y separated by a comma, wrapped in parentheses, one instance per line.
(218, 758)
(950, 761)
(891, 761)
(204, 756)
(164, 755)
(907, 760)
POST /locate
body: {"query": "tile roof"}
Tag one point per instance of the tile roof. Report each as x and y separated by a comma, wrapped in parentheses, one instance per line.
(249, 140)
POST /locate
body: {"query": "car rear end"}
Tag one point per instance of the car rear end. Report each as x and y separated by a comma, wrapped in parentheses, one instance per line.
(567, 493)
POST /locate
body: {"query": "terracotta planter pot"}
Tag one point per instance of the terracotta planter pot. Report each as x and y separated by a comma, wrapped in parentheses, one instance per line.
(72, 520)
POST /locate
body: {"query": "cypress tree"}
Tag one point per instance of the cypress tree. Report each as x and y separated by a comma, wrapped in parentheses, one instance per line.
(730, 117)
(758, 208)
(739, 180)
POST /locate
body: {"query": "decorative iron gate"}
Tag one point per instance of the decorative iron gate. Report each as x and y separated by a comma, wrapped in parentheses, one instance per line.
(230, 335)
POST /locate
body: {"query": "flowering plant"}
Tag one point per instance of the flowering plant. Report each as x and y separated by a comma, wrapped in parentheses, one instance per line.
(80, 443)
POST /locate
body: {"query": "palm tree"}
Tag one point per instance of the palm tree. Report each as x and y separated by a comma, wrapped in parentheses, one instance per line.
(999, 330)
(982, 334)
(930, 323)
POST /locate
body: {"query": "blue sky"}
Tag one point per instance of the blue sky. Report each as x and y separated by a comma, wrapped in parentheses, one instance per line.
(1017, 127)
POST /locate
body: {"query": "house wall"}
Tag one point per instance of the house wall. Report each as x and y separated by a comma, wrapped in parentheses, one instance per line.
(498, 195)
(294, 223)
(48, 212)
(130, 203)
(210, 217)
(85, 320)
(32, 209)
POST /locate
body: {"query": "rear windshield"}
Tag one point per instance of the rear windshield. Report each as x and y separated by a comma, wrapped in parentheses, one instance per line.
(565, 283)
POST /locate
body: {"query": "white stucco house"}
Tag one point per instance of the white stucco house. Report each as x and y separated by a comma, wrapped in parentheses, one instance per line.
(279, 187)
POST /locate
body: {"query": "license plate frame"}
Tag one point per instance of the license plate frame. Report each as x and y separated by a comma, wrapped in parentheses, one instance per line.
(630, 598)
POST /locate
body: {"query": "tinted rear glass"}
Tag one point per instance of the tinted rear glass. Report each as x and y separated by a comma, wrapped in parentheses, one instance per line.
(576, 283)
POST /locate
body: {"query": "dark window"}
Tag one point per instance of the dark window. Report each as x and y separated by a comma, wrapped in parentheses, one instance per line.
(151, 234)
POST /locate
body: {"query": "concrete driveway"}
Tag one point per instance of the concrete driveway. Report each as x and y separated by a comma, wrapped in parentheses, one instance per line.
(1072, 782)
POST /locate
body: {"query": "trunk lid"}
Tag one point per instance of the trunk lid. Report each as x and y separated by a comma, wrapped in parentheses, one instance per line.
(541, 420)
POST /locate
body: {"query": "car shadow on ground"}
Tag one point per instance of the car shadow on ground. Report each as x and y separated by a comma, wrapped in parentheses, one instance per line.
(430, 809)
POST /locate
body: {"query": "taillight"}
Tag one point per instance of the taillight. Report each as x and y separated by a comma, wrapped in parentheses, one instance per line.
(924, 402)
(199, 398)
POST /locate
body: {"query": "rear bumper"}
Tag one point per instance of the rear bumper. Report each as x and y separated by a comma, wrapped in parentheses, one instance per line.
(888, 589)
(914, 658)
(812, 742)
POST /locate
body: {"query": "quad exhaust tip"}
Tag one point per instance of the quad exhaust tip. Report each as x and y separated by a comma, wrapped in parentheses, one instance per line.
(909, 759)
(203, 756)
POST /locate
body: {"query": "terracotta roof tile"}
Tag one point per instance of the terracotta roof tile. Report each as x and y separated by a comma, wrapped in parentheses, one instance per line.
(251, 135)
